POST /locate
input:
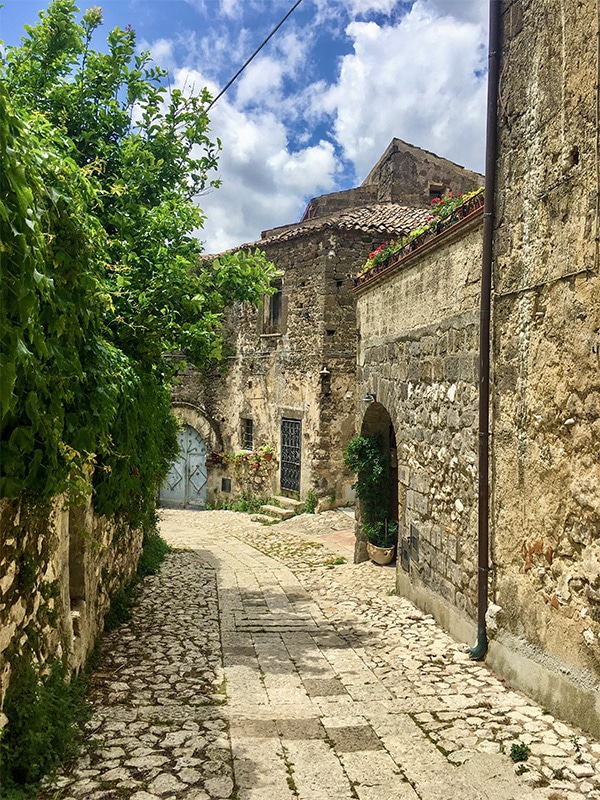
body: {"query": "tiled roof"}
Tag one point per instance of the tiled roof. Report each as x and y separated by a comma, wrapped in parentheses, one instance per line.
(385, 219)
(381, 218)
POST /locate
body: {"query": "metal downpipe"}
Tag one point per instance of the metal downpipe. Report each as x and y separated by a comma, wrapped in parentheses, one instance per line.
(478, 652)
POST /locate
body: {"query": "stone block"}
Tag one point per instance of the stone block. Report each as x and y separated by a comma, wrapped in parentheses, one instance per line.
(451, 368)
(452, 547)
(421, 502)
(404, 474)
(419, 481)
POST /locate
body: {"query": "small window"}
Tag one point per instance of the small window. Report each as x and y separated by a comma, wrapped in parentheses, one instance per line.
(273, 305)
(225, 484)
(247, 434)
(436, 190)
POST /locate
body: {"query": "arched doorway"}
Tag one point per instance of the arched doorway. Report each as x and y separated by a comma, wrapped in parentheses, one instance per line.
(185, 485)
(377, 421)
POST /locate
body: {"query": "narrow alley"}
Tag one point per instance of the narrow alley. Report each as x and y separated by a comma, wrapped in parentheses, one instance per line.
(261, 664)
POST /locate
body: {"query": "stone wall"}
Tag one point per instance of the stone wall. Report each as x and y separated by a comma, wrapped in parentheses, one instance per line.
(303, 369)
(546, 336)
(419, 355)
(58, 569)
(411, 176)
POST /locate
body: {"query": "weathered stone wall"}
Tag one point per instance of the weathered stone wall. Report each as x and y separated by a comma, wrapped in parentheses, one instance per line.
(419, 354)
(305, 370)
(58, 569)
(546, 335)
(406, 174)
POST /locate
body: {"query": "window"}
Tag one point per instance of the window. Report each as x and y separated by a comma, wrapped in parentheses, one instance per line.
(247, 434)
(436, 190)
(273, 306)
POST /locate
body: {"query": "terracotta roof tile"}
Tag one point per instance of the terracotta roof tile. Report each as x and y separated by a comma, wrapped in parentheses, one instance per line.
(385, 219)
(382, 218)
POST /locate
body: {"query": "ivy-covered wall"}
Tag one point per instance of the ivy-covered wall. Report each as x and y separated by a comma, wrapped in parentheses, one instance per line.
(58, 569)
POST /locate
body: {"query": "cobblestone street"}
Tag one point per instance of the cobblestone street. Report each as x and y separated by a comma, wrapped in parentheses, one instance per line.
(260, 666)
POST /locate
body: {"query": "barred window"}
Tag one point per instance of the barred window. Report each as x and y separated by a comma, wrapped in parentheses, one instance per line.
(247, 434)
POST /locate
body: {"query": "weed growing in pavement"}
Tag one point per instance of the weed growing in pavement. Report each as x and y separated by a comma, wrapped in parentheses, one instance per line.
(310, 504)
(521, 769)
(519, 752)
(578, 754)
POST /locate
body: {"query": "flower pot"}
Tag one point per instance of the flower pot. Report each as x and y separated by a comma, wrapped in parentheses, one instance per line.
(380, 555)
(268, 456)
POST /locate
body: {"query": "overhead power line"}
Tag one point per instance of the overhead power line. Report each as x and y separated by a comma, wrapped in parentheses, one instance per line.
(254, 54)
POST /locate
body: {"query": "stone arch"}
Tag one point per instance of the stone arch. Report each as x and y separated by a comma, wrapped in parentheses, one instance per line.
(200, 421)
(377, 420)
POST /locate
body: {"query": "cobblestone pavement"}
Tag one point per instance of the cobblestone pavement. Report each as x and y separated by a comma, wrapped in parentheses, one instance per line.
(259, 667)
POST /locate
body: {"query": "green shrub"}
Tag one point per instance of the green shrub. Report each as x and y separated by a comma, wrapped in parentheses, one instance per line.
(154, 551)
(245, 504)
(44, 713)
(310, 504)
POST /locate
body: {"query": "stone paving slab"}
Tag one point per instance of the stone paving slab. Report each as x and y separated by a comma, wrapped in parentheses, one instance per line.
(259, 666)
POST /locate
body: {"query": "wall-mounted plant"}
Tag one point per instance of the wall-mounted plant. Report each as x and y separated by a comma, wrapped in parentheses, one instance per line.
(266, 451)
(442, 208)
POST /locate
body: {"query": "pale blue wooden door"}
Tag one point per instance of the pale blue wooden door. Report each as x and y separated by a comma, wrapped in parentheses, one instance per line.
(185, 486)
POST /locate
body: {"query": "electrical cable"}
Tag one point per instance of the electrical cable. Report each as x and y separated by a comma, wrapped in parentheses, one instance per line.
(254, 54)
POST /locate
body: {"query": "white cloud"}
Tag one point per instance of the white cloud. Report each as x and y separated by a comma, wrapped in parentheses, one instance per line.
(416, 74)
(420, 80)
(265, 183)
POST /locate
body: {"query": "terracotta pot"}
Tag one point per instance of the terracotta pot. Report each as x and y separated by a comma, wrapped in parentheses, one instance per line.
(380, 555)
(268, 456)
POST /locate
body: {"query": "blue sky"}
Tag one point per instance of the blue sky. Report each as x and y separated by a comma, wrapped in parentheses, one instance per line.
(320, 103)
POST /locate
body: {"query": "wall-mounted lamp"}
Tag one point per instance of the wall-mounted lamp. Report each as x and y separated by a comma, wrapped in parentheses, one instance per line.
(325, 371)
(370, 397)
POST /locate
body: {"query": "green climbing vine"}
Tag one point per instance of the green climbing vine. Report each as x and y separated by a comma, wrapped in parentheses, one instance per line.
(102, 274)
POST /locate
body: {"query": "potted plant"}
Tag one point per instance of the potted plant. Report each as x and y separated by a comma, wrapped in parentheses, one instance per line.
(266, 451)
(370, 460)
(381, 540)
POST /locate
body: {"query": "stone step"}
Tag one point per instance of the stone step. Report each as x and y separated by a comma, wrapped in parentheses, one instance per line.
(277, 512)
(289, 502)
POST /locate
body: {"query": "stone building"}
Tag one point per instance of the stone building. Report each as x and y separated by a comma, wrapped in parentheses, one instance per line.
(291, 383)
(545, 352)
(419, 340)
(418, 363)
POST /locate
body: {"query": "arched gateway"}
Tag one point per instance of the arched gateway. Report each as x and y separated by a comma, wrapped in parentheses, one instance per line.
(377, 421)
(185, 485)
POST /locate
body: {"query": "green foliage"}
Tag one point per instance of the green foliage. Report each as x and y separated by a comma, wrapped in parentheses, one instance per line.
(519, 752)
(154, 552)
(246, 504)
(54, 404)
(366, 456)
(382, 533)
(43, 712)
(101, 268)
(310, 504)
